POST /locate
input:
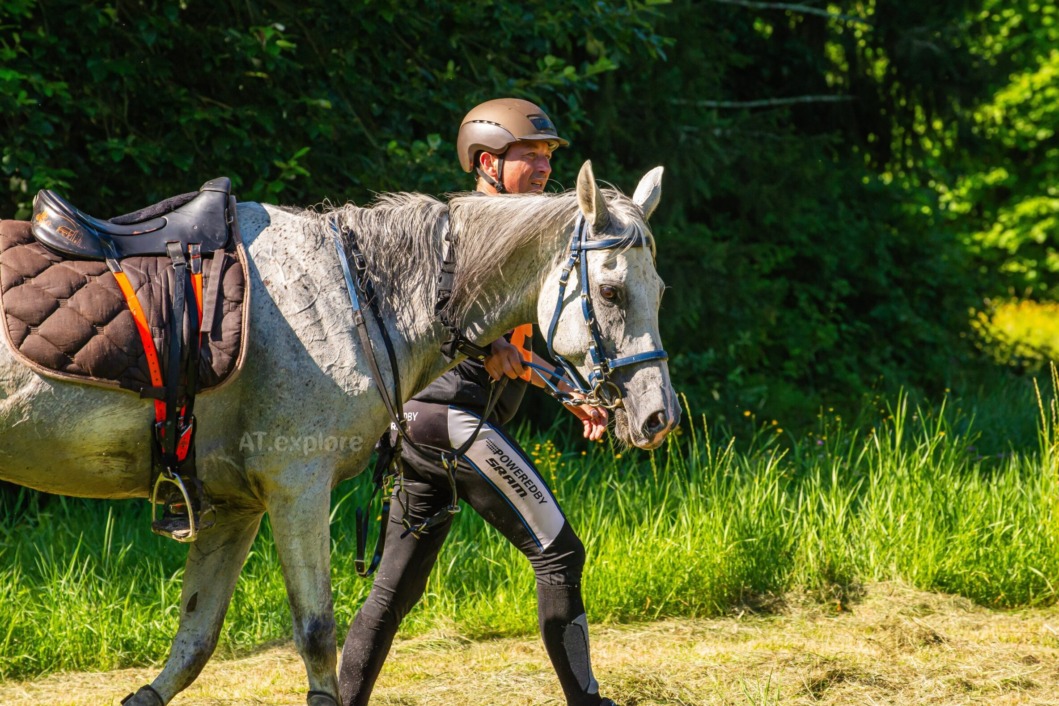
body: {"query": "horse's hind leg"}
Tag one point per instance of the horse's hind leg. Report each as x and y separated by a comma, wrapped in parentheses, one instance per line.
(300, 525)
(214, 562)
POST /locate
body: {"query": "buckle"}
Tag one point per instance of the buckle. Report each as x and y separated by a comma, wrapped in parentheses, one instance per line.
(419, 528)
(359, 262)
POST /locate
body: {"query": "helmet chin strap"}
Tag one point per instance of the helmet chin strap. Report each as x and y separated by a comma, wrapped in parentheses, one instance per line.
(497, 183)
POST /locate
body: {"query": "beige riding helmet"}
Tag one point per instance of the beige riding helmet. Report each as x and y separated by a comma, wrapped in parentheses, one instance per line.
(495, 125)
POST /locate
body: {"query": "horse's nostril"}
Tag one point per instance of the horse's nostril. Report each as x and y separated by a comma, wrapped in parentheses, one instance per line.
(655, 424)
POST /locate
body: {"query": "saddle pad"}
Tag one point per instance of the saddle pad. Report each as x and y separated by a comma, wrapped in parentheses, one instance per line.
(68, 319)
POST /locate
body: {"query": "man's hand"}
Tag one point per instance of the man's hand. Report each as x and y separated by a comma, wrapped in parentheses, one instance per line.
(505, 359)
(593, 418)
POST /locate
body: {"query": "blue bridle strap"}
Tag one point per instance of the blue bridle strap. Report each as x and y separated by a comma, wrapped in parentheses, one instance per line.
(596, 388)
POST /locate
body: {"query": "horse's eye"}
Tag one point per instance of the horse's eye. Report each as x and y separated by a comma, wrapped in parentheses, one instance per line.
(610, 293)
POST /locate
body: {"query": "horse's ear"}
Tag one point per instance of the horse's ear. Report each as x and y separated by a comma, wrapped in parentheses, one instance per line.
(591, 199)
(649, 192)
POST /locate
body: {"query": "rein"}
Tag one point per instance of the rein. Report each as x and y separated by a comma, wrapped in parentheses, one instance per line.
(387, 464)
(457, 342)
(599, 390)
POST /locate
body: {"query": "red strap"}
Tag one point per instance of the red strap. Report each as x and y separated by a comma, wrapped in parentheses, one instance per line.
(520, 338)
(184, 442)
(153, 366)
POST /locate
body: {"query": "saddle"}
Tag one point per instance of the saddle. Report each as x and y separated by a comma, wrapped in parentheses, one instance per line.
(198, 217)
(153, 302)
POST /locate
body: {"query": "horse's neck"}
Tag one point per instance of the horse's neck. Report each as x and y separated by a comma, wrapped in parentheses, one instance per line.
(507, 299)
(414, 331)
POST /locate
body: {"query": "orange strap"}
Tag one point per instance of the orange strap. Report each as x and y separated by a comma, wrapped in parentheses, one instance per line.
(520, 338)
(153, 366)
(195, 268)
(196, 282)
(184, 443)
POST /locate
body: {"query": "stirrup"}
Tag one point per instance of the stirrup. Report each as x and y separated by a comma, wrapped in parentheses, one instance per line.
(172, 523)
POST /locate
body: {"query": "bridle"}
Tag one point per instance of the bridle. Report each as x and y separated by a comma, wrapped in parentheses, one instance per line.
(599, 390)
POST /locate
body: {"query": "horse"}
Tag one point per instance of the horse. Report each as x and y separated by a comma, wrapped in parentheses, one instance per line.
(305, 376)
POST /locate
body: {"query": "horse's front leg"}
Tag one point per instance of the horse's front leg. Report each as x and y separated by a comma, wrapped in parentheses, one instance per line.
(213, 565)
(301, 527)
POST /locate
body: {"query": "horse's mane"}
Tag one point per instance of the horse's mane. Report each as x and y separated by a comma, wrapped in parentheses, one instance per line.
(513, 224)
(493, 228)
(401, 235)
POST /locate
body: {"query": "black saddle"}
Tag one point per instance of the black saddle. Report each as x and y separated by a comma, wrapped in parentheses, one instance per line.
(201, 217)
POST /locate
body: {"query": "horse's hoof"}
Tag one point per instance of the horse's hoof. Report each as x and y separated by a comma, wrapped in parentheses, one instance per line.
(320, 698)
(146, 696)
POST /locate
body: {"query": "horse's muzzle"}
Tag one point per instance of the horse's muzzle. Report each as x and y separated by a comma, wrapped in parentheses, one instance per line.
(656, 427)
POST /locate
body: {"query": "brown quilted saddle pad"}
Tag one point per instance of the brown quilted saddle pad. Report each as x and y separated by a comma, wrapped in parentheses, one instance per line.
(68, 319)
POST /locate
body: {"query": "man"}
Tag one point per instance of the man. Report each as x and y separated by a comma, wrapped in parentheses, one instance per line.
(509, 143)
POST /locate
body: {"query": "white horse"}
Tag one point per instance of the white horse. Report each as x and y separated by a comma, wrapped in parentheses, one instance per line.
(305, 377)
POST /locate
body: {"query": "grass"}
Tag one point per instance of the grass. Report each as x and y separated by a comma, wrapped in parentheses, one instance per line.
(711, 524)
(897, 646)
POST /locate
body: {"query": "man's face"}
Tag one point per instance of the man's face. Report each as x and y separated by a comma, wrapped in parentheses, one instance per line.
(527, 166)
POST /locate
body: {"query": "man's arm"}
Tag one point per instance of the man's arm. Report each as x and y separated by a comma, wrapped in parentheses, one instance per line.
(506, 360)
(593, 418)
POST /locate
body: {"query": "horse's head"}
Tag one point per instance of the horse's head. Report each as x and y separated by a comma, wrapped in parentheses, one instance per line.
(599, 309)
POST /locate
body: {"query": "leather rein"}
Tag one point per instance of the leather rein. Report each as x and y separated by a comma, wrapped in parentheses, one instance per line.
(599, 390)
(387, 462)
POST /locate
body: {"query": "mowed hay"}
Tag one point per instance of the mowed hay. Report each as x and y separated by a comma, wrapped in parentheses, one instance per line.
(895, 645)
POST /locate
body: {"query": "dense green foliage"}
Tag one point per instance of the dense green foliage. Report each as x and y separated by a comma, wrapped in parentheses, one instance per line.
(696, 529)
(1005, 199)
(843, 185)
(123, 102)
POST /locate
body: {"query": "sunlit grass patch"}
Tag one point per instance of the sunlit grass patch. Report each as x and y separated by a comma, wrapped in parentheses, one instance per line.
(709, 525)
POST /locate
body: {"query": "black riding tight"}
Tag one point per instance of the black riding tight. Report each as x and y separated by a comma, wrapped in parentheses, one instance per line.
(501, 484)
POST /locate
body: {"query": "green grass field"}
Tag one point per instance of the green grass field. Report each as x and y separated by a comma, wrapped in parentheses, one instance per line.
(959, 497)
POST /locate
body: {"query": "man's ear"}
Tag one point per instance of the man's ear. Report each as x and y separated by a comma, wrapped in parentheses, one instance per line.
(487, 161)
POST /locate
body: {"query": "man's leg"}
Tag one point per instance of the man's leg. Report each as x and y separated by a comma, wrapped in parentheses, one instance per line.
(504, 487)
(399, 584)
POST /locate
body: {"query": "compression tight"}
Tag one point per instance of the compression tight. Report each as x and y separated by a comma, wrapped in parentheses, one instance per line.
(500, 483)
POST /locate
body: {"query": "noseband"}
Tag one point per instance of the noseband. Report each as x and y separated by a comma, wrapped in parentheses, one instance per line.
(600, 390)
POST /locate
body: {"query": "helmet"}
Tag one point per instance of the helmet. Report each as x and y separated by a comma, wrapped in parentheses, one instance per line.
(495, 125)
